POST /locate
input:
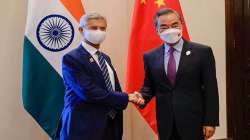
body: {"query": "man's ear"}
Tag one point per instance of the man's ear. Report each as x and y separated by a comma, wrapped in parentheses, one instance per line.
(157, 30)
(80, 29)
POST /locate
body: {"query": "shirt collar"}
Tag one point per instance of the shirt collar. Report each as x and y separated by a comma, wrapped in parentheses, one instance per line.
(178, 47)
(92, 50)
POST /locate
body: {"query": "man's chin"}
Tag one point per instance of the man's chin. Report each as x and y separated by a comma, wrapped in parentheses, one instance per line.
(172, 44)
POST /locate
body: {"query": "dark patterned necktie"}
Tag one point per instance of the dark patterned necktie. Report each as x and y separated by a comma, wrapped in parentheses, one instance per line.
(107, 80)
(104, 69)
(171, 72)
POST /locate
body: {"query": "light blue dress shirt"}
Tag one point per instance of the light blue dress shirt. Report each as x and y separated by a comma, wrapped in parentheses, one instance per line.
(177, 54)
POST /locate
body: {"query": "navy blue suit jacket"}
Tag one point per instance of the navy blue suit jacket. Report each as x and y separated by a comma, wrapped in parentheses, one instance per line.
(87, 100)
(193, 101)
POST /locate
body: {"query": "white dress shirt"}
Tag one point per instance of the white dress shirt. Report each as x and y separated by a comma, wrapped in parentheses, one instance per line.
(92, 51)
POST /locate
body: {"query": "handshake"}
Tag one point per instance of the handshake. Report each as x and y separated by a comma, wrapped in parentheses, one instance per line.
(136, 98)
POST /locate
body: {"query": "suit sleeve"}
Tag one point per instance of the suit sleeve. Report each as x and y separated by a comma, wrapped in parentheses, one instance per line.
(211, 98)
(147, 90)
(77, 78)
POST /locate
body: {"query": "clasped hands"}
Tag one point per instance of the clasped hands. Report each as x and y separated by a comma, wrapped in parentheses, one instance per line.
(136, 98)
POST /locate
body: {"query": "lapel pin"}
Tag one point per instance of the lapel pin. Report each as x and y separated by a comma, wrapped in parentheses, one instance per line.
(188, 52)
(91, 60)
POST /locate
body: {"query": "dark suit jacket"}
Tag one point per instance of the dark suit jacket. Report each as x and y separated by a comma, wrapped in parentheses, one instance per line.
(193, 101)
(87, 100)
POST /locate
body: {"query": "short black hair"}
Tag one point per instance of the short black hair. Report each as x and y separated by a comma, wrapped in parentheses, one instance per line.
(164, 11)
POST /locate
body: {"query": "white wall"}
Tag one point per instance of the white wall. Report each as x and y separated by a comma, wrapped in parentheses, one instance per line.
(15, 123)
(206, 24)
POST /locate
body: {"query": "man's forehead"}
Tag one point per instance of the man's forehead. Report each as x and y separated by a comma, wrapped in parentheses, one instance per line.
(100, 22)
(168, 18)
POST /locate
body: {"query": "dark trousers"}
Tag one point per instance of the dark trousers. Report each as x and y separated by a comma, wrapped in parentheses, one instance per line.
(109, 131)
(175, 135)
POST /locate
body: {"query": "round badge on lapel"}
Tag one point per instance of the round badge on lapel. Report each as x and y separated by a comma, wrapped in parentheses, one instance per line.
(188, 53)
(91, 60)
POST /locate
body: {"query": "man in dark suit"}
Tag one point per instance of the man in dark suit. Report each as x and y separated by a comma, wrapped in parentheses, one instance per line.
(182, 77)
(93, 98)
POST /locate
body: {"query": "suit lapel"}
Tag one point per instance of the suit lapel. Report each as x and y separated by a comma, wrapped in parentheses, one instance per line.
(183, 60)
(91, 61)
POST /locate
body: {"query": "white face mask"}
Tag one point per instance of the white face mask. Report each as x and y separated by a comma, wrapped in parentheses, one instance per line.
(171, 36)
(94, 36)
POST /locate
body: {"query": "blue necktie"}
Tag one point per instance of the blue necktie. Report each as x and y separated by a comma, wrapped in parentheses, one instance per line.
(105, 74)
(171, 72)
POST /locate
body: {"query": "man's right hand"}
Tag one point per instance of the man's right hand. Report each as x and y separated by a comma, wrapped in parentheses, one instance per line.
(136, 98)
